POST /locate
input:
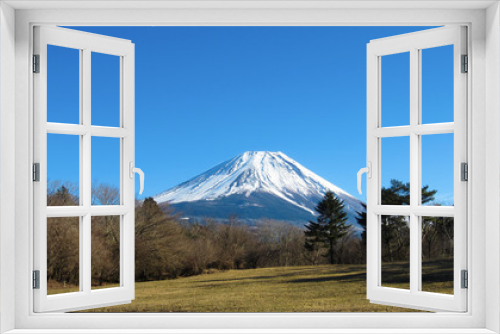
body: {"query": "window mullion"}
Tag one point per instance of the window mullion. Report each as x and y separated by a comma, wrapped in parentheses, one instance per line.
(85, 163)
(85, 167)
(415, 191)
(406, 210)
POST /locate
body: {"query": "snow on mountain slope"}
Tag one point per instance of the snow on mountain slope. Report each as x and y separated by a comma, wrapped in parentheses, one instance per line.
(259, 172)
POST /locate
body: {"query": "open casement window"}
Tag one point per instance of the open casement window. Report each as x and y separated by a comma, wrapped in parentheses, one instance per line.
(70, 218)
(401, 131)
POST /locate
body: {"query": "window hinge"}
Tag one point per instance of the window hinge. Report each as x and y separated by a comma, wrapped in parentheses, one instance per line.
(36, 172)
(36, 63)
(465, 64)
(465, 279)
(36, 279)
(464, 171)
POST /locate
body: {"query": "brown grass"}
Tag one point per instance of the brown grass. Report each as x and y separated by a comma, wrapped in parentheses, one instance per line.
(325, 288)
(54, 287)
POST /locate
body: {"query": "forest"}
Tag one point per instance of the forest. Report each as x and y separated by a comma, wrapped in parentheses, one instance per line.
(167, 247)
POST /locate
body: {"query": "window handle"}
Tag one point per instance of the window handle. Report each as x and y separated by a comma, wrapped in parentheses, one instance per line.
(368, 171)
(139, 171)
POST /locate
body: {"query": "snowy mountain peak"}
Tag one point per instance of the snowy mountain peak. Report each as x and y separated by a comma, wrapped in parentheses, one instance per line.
(255, 173)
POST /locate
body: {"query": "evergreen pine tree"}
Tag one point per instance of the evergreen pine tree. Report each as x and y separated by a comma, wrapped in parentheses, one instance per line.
(395, 230)
(313, 240)
(399, 194)
(361, 219)
(330, 226)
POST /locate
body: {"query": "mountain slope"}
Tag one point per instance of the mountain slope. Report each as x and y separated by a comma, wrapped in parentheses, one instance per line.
(255, 185)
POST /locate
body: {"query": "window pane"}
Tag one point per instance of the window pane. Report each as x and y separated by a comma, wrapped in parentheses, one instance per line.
(437, 84)
(63, 255)
(437, 254)
(105, 90)
(395, 235)
(106, 169)
(395, 170)
(63, 170)
(395, 90)
(437, 169)
(105, 252)
(63, 85)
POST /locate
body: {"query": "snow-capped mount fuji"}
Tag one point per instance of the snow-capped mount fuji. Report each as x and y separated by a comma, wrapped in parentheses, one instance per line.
(256, 185)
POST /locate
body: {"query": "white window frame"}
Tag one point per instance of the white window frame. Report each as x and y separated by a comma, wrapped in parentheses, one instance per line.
(483, 21)
(86, 44)
(414, 43)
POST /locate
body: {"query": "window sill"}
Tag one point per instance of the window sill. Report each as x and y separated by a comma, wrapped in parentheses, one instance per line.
(251, 331)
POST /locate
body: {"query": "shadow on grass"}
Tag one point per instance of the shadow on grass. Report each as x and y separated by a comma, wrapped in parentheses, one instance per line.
(333, 270)
(361, 277)
(396, 273)
(437, 271)
(433, 271)
(251, 278)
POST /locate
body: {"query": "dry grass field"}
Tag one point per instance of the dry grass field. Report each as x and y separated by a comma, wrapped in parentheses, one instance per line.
(325, 288)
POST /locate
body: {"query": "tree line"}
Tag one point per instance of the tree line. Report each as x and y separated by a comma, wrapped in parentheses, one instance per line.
(436, 232)
(167, 246)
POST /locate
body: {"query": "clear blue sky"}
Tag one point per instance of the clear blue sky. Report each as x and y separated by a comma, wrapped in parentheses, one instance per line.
(207, 94)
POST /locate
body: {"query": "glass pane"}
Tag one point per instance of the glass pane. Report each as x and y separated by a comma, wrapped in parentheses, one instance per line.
(63, 255)
(63, 85)
(437, 254)
(437, 84)
(437, 169)
(395, 170)
(395, 90)
(105, 259)
(395, 235)
(106, 171)
(63, 170)
(105, 90)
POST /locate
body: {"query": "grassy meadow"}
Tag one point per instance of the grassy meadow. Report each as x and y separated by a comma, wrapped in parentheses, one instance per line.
(324, 288)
